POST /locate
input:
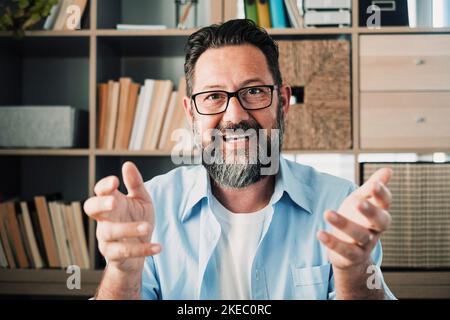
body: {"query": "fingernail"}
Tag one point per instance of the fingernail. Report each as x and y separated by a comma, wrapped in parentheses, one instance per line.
(377, 187)
(323, 237)
(142, 228)
(332, 216)
(364, 205)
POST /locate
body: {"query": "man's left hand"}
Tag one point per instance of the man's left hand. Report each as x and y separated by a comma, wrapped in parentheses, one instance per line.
(358, 223)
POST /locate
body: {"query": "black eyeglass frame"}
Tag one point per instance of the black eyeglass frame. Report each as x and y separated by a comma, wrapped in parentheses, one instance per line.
(235, 94)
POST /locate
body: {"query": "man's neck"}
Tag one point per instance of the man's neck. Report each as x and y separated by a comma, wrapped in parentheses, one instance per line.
(248, 199)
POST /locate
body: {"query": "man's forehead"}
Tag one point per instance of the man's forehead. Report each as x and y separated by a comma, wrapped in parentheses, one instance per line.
(239, 65)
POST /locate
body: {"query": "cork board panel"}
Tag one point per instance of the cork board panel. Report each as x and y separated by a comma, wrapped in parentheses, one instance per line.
(322, 68)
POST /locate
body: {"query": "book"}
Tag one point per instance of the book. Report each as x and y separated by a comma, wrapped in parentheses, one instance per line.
(262, 9)
(137, 118)
(15, 233)
(25, 242)
(294, 15)
(129, 116)
(250, 10)
(73, 235)
(3, 259)
(277, 14)
(139, 27)
(141, 127)
(102, 114)
(5, 238)
(111, 119)
(59, 231)
(47, 232)
(168, 119)
(38, 232)
(179, 119)
(159, 108)
(51, 18)
(124, 84)
(327, 4)
(29, 232)
(327, 18)
(127, 108)
(81, 235)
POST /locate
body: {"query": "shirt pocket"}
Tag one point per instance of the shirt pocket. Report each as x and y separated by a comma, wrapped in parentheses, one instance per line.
(311, 283)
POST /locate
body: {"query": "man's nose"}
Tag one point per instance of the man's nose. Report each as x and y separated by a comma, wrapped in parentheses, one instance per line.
(235, 113)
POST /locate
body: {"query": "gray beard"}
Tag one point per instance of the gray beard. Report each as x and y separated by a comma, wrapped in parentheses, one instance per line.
(236, 176)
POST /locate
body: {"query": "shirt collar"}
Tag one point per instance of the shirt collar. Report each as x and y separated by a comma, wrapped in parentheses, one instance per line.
(299, 190)
(297, 186)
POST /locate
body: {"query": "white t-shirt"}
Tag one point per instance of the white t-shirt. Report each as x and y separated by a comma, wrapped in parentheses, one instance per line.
(236, 249)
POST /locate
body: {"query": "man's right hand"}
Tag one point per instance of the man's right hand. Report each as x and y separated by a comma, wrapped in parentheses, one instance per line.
(124, 222)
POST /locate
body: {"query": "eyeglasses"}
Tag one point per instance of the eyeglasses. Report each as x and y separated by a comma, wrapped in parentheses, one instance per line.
(216, 101)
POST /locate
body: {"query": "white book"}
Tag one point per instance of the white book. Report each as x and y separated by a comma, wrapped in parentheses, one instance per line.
(146, 103)
(36, 255)
(168, 120)
(50, 21)
(327, 4)
(137, 116)
(320, 18)
(294, 15)
(138, 27)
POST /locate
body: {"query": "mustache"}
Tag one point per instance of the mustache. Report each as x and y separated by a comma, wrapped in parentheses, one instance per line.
(242, 125)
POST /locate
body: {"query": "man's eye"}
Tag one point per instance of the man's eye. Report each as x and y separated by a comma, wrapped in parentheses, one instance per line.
(213, 96)
(254, 91)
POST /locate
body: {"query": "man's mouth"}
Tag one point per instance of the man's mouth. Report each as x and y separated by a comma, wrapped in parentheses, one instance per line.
(236, 137)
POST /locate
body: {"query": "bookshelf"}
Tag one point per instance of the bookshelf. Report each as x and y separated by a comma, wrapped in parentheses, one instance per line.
(56, 67)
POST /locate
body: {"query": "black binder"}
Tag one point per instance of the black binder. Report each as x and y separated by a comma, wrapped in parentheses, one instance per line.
(392, 12)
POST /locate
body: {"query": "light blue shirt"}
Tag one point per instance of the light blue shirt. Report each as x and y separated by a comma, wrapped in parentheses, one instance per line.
(290, 263)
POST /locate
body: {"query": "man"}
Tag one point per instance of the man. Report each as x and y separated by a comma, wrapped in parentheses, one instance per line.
(225, 229)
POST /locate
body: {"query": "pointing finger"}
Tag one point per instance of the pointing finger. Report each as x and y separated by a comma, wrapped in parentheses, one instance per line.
(133, 181)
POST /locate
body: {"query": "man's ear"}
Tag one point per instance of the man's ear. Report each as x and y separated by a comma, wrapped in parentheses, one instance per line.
(188, 110)
(286, 93)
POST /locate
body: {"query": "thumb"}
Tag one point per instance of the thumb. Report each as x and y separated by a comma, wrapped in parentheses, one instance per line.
(133, 181)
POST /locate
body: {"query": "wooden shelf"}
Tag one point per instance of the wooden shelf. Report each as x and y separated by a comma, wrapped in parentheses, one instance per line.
(406, 150)
(44, 152)
(49, 33)
(143, 33)
(146, 153)
(46, 282)
(387, 30)
(419, 284)
(309, 31)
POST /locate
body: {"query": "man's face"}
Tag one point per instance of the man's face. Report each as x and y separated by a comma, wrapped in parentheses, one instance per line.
(231, 68)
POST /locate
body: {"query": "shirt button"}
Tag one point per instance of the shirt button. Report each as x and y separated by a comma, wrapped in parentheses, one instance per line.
(257, 275)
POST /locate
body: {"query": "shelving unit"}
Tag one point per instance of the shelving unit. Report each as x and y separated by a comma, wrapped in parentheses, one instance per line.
(64, 67)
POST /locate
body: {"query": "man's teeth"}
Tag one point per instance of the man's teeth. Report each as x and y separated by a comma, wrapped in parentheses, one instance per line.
(236, 137)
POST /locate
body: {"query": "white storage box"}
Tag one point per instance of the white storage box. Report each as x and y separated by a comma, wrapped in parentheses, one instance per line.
(42, 127)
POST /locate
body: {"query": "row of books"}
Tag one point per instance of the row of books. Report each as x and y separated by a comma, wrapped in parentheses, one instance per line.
(42, 234)
(65, 15)
(297, 13)
(139, 117)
